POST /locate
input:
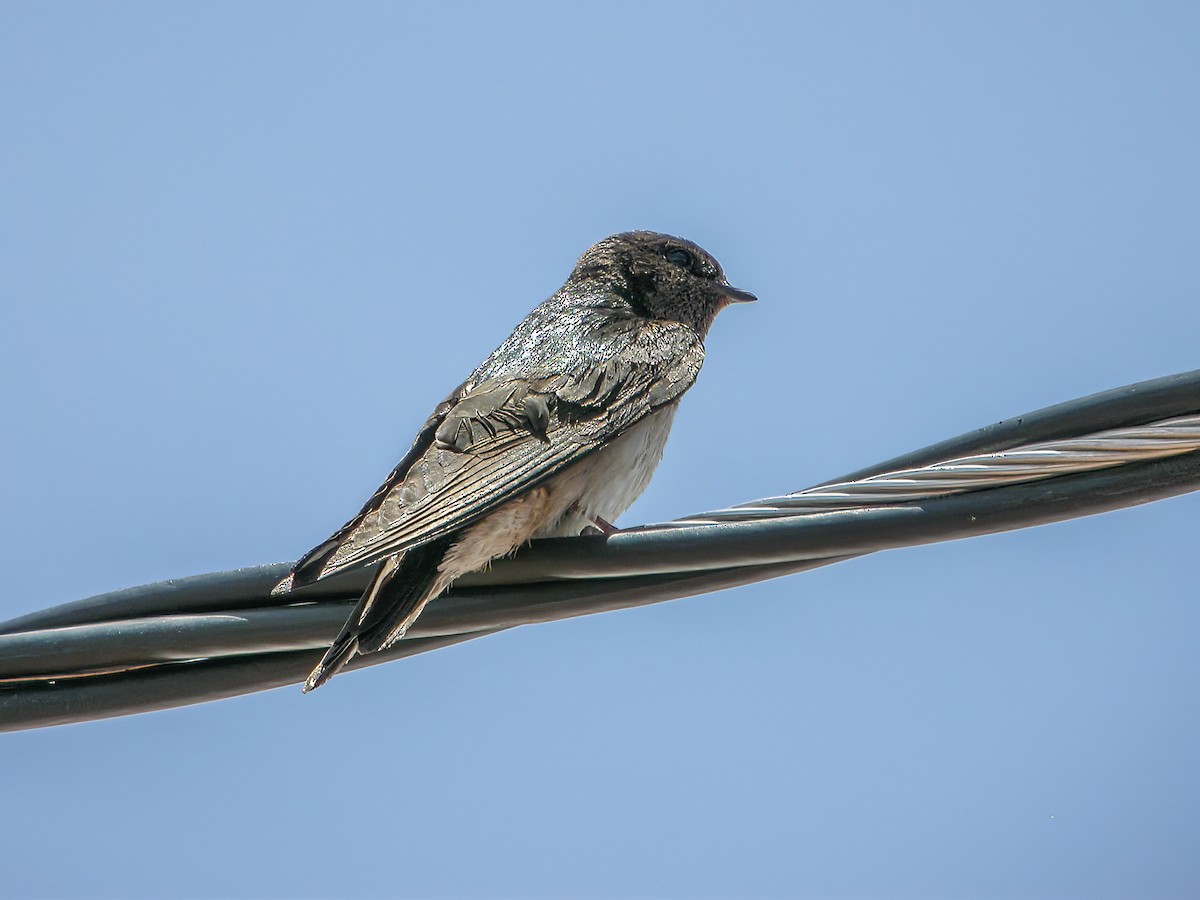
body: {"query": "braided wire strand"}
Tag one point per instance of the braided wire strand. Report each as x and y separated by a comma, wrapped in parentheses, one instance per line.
(1047, 459)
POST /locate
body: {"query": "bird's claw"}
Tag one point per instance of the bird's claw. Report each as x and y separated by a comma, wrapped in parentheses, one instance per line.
(600, 527)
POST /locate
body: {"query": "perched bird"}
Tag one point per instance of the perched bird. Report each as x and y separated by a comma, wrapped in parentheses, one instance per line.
(557, 431)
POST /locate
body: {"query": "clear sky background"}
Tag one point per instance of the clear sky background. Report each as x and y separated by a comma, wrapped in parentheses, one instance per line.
(247, 247)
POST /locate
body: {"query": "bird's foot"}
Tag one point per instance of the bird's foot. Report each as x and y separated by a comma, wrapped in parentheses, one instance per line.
(601, 527)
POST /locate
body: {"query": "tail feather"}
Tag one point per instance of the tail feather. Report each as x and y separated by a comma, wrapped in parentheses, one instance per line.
(340, 652)
(397, 594)
(403, 597)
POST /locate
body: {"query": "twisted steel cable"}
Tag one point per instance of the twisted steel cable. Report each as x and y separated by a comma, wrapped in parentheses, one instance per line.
(220, 635)
(1048, 459)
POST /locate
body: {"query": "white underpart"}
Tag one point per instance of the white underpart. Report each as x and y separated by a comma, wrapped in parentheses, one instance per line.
(607, 482)
(602, 485)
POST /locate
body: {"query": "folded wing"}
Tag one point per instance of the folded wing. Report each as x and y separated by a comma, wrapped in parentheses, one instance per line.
(493, 439)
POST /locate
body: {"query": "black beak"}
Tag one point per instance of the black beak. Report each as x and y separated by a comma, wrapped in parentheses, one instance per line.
(736, 295)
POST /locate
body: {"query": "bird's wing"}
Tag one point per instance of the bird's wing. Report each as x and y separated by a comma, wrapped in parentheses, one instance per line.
(495, 439)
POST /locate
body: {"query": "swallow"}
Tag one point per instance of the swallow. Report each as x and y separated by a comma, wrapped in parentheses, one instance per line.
(557, 432)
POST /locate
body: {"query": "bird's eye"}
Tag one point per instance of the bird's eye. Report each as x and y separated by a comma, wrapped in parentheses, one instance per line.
(679, 257)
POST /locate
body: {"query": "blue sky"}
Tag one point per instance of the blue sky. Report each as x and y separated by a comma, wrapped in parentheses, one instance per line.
(246, 248)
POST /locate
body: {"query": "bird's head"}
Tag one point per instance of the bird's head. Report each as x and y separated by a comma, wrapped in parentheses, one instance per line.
(661, 277)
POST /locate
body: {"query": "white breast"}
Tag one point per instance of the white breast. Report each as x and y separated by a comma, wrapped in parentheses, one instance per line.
(605, 483)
